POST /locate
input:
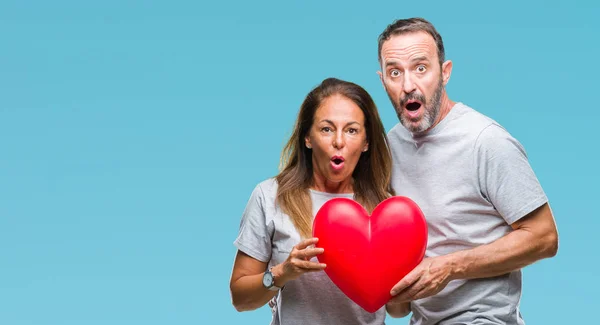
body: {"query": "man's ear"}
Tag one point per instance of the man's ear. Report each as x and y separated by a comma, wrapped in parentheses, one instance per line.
(381, 78)
(446, 71)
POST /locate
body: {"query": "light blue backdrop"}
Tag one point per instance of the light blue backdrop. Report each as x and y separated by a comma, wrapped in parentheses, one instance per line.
(133, 132)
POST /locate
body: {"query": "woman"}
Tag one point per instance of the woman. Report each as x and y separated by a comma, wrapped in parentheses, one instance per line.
(338, 149)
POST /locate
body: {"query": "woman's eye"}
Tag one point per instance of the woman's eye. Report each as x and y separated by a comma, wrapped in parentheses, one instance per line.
(326, 129)
(352, 131)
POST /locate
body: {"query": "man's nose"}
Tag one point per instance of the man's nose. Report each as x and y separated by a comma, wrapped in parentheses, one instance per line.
(409, 84)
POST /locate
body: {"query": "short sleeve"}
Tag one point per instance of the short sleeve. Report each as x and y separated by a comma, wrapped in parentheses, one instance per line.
(505, 176)
(254, 238)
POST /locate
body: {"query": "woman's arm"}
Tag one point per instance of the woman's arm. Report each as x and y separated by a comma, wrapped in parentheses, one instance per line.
(247, 290)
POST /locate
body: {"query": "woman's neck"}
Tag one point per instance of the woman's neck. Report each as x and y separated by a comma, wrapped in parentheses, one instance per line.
(322, 184)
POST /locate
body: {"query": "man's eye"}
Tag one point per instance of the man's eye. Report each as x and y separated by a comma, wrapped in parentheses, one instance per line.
(421, 68)
(394, 73)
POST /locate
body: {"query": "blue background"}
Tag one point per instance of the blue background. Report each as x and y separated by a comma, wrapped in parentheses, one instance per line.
(133, 132)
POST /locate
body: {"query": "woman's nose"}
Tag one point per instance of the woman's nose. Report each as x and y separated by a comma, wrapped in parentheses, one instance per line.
(339, 141)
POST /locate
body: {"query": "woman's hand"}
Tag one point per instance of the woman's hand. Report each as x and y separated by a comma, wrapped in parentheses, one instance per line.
(298, 262)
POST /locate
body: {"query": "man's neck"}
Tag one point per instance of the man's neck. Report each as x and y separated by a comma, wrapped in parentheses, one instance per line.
(445, 107)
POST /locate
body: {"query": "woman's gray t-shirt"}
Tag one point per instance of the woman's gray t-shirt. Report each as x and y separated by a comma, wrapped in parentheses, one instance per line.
(268, 235)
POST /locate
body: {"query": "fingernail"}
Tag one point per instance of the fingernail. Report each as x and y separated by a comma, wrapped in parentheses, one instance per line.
(394, 292)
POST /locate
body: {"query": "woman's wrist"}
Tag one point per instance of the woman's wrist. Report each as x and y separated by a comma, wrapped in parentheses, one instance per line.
(278, 272)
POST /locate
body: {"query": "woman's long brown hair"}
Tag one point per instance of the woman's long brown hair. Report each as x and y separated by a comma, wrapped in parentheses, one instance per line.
(372, 175)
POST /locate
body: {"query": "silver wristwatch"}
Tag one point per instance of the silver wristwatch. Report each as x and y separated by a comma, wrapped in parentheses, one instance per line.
(269, 280)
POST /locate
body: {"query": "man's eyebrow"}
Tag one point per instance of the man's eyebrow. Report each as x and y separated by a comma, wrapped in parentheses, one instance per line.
(416, 59)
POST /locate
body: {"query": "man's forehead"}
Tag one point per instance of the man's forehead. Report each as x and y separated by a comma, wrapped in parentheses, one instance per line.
(409, 43)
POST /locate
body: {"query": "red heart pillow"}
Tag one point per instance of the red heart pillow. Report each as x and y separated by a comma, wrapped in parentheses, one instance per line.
(366, 256)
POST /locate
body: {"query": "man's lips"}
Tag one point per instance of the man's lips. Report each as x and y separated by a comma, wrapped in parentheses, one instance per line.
(413, 108)
(413, 105)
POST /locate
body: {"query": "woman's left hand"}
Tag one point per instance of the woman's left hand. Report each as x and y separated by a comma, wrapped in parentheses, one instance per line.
(298, 262)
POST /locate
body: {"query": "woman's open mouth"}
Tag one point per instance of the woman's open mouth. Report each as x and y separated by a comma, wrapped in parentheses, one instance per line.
(337, 162)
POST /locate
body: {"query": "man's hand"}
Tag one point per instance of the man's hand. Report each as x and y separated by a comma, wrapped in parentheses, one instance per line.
(426, 279)
(533, 237)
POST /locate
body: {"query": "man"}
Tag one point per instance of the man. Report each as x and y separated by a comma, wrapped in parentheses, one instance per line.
(486, 212)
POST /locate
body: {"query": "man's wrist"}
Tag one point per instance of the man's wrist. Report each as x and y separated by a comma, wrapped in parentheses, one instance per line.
(456, 265)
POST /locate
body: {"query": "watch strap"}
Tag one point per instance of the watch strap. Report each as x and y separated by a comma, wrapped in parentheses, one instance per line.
(273, 287)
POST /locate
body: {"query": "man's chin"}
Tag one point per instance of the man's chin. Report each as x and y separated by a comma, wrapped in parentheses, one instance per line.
(418, 126)
(411, 124)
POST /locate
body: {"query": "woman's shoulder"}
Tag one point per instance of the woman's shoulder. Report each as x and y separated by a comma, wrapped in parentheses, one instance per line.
(267, 188)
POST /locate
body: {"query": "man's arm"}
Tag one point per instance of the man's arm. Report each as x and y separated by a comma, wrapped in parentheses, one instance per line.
(534, 237)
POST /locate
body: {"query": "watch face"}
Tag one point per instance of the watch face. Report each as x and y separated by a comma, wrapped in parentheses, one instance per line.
(268, 279)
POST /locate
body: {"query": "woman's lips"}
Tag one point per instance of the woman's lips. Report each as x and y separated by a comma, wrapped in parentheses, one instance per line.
(337, 162)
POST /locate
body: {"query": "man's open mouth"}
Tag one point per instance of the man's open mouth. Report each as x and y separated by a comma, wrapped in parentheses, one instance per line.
(413, 106)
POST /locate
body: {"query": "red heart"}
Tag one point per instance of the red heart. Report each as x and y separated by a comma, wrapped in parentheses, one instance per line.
(366, 256)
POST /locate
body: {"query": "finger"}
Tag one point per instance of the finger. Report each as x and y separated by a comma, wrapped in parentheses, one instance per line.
(308, 265)
(308, 253)
(407, 281)
(424, 292)
(429, 290)
(305, 243)
(408, 294)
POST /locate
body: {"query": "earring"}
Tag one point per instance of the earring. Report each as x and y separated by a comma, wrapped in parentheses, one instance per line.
(365, 149)
(308, 146)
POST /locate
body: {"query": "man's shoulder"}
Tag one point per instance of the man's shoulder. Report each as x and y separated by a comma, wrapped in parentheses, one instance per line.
(486, 131)
(471, 119)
